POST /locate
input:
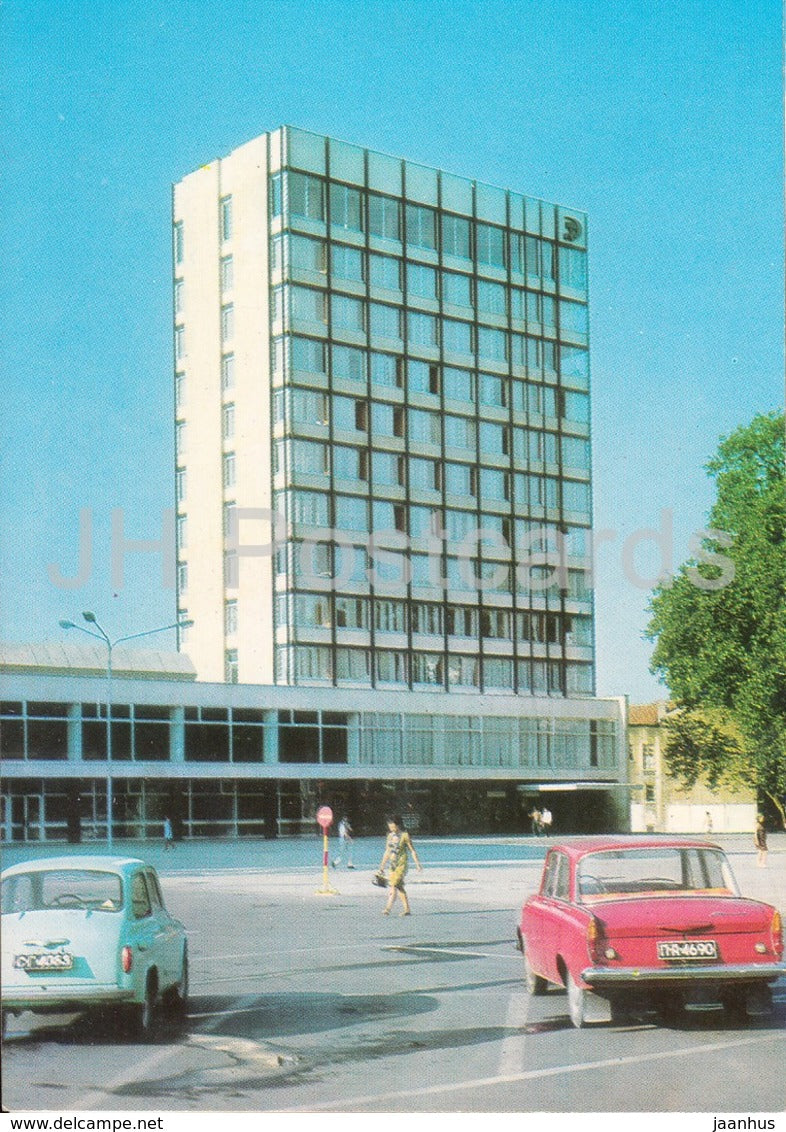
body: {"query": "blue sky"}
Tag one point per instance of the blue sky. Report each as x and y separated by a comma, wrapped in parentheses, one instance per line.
(662, 120)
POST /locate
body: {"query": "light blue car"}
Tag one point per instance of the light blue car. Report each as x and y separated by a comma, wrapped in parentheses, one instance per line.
(87, 932)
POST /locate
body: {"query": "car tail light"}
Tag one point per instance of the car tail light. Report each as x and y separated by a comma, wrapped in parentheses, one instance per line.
(595, 940)
(127, 959)
(776, 931)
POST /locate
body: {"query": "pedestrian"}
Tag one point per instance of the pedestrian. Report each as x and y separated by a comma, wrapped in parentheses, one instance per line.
(345, 843)
(708, 822)
(545, 821)
(536, 819)
(398, 848)
(169, 837)
(760, 841)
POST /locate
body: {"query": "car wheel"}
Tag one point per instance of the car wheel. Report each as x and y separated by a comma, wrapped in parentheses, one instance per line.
(758, 1002)
(180, 990)
(577, 1002)
(145, 1014)
(534, 983)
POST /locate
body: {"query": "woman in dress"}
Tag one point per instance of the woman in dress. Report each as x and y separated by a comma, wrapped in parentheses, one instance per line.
(398, 848)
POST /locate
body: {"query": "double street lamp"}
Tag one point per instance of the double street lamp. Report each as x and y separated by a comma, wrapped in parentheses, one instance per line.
(100, 633)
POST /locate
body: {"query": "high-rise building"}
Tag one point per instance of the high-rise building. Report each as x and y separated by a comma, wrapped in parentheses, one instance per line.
(383, 521)
(382, 425)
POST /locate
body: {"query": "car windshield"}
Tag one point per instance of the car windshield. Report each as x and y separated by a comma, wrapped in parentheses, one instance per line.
(615, 873)
(40, 890)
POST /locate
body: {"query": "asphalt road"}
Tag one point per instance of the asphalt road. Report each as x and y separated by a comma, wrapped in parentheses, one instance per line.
(307, 1002)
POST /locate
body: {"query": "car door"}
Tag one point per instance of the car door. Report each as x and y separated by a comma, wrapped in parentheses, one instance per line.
(538, 919)
(144, 930)
(553, 914)
(169, 934)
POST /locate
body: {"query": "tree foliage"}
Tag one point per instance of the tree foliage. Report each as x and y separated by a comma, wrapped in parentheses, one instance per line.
(720, 625)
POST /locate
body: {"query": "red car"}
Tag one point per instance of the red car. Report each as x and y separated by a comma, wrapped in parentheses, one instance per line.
(619, 921)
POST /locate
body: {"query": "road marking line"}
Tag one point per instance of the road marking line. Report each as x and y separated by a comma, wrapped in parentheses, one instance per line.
(207, 958)
(98, 1097)
(423, 949)
(272, 871)
(142, 1069)
(511, 1057)
(222, 1014)
(347, 1104)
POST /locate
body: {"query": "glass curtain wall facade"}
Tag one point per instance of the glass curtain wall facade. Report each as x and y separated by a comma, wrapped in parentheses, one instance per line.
(429, 423)
(219, 768)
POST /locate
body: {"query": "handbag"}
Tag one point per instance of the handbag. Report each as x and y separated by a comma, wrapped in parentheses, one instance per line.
(380, 880)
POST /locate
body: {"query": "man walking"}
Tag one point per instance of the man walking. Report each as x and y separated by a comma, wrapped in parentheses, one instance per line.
(345, 844)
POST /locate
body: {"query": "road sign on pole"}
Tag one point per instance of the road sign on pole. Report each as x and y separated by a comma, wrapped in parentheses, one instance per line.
(325, 820)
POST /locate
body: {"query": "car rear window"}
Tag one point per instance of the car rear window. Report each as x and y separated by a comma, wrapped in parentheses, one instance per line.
(40, 890)
(653, 871)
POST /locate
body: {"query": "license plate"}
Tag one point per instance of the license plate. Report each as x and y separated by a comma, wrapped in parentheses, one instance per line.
(688, 949)
(44, 961)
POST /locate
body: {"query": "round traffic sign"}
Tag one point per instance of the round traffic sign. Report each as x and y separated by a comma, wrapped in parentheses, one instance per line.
(325, 816)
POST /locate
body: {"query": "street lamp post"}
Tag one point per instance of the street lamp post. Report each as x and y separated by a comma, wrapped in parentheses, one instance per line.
(101, 635)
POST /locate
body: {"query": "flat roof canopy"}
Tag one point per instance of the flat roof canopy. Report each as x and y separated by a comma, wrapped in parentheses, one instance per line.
(56, 659)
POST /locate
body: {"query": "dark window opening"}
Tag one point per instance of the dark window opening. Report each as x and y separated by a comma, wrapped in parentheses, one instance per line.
(151, 742)
(247, 715)
(206, 743)
(47, 740)
(215, 715)
(12, 739)
(247, 744)
(334, 745)
(47, 711)
(298, 744)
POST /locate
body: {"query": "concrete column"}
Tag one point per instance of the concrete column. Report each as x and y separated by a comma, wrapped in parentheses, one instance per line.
(353, 740)
(74, 732)
(270, 741)
(177, 736)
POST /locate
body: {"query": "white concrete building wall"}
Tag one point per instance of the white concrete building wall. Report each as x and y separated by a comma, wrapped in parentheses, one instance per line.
(245, 177)
(726, 817)
(240, 180)
(196, 207)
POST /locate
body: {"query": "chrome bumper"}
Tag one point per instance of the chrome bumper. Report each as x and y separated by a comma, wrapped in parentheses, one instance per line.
(63, 1000)
(634, 976)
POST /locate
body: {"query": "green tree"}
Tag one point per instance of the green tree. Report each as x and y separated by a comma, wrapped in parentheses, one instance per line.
(719, 625)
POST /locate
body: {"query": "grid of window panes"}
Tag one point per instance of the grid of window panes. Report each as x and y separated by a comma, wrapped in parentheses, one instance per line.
(430, 381)
(392, 739)
(213, 734)
(139, 732)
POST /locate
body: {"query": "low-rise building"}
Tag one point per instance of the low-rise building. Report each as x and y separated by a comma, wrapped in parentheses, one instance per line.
(229, 760)
(659, 803)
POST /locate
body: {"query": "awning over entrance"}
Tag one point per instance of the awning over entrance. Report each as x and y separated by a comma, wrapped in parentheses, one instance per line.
(552, 787)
